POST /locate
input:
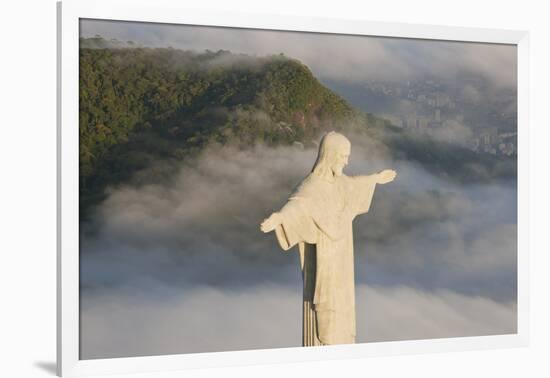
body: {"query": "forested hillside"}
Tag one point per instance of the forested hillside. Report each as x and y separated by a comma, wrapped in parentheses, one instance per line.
(138, 105)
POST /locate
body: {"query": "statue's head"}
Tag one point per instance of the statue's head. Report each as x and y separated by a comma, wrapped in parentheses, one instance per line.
(333, 156)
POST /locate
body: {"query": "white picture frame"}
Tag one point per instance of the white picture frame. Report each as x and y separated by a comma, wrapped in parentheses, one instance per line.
(170, 11)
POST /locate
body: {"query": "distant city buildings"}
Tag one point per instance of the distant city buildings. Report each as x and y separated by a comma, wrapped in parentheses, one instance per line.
(492, 142)
(487, 122)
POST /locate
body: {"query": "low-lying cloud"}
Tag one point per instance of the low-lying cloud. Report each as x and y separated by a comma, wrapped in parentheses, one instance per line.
(122, 324)
(192, 245)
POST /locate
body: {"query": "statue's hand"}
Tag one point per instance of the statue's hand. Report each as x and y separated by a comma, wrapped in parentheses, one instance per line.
(387, 175)
(271, 223)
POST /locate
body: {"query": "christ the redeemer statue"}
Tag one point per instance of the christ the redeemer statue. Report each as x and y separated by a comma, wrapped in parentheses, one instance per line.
(318, 218)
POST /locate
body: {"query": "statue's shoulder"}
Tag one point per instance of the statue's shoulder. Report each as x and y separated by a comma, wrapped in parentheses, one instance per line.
(347, 180)
(309, 186)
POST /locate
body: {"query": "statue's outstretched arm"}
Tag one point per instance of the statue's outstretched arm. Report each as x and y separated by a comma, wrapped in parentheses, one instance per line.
(271, 223)
(361, 190)
(386, 176)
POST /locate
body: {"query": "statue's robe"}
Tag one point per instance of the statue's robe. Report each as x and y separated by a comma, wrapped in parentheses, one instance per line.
(318, 218)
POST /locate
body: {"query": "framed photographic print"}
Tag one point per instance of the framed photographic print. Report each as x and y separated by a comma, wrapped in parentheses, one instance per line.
(241, 189)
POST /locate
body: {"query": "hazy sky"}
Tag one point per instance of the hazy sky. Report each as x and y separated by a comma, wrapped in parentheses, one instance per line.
(330, 56)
